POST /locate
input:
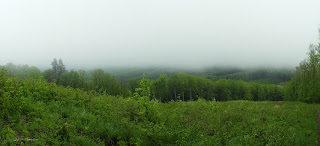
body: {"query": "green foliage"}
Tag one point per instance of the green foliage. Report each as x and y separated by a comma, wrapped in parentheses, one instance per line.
(3, 79)
(105, 83)
(146, 109)
(54, 74)
(263, 75)
(160, 88)
(22, 71)
(133, 84)
(72, 79)
(188, 87)
(34, 112)
(144, 91)
(305, 85)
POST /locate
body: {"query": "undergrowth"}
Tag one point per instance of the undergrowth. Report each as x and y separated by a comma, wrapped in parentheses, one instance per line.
(34, 112)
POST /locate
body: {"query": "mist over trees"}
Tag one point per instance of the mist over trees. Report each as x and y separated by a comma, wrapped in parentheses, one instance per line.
(22, 71)
(149, 73)
(217, 83)
(158, 102)
(176, 86)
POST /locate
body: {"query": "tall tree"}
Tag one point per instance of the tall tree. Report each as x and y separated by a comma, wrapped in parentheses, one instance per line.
(97, 78)
(305, 85)
(160, 87)
(54, 69)
(174, 84)
(61, 68)
(58, 68)
(83, 77)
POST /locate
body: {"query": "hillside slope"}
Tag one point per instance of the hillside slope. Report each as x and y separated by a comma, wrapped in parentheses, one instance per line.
(36, 112)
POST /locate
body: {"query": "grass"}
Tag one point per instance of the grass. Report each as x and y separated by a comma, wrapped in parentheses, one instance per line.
(248, 122)
(34, 112)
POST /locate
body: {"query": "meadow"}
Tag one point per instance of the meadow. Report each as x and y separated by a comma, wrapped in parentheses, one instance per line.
(35, 112)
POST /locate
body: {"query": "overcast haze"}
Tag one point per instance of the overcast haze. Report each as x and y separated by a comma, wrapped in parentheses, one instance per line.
(158, 32)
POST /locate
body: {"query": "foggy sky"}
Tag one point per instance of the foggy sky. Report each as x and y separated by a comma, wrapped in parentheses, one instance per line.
(158, 32)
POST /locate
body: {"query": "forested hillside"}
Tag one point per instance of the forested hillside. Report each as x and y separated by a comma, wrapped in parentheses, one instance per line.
(165, 87)
(264, 75)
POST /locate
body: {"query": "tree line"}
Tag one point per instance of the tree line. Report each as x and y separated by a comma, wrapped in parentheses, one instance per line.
(303, 86)
(176, 86)
(185, 87)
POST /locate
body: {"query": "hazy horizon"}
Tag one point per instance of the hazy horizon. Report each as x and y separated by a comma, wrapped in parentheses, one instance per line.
(179, 33)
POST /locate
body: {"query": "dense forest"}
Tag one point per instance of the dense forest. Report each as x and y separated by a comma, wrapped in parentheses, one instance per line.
(167, 87)
(96, 107)
(219, 83)
(305, 85)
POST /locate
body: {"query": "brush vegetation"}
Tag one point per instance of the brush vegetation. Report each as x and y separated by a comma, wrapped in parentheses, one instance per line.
(35, 112)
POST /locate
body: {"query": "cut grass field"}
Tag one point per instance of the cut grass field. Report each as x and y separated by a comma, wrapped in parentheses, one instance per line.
(40, 113)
